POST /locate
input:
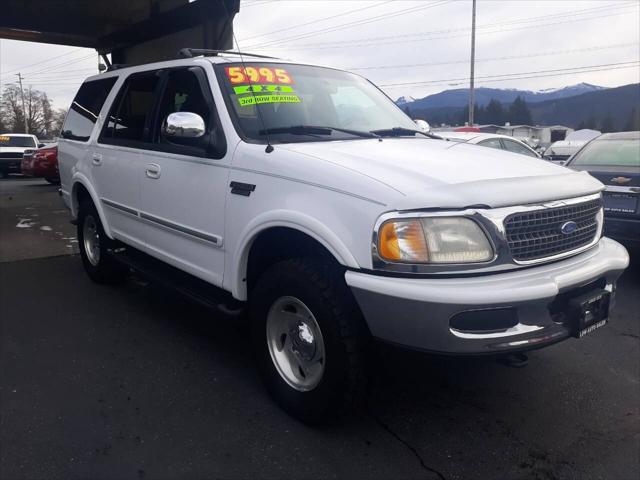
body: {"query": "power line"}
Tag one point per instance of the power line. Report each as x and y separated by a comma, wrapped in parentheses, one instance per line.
(313, 22)
(350, 24)
(572, 14)
(346, 44)
(24, 67)
(54, 67)
(605, 66)
(491, 59)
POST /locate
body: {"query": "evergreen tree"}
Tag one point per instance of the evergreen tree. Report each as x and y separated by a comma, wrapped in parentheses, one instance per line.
(633, 124)
(494, 112)
(519, 113)
(591, 123)
(607, 125)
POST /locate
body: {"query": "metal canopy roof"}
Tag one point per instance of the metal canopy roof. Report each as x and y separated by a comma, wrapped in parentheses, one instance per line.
(133, 31)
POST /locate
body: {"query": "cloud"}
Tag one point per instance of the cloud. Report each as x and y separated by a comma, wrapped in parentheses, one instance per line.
(380, 39)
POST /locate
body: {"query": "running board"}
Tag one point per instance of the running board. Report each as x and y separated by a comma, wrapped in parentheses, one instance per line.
(170, 277)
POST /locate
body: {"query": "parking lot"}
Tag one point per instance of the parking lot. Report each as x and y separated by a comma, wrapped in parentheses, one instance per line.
(137, 382)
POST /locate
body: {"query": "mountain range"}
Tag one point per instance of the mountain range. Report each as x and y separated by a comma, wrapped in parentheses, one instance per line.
(570, 106)
(459, 97)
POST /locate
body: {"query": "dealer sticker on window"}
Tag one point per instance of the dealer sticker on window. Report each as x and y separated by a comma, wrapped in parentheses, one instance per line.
(260, 85)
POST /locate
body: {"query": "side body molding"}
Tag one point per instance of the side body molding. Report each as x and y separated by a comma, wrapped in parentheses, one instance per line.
(237, 264)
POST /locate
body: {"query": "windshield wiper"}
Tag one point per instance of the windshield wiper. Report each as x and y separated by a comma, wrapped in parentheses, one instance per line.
(400, 131)
(316, 130)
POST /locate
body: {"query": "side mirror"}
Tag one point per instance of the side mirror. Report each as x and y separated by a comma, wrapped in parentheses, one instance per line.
(423, 125)
(183, 128)
(40, 145)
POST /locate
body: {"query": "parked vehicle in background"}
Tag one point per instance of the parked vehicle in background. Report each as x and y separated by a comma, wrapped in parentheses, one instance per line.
(42, 163)
(560, 151)
(614, 159)
(12, 147)
(491, 140)
(306, 196)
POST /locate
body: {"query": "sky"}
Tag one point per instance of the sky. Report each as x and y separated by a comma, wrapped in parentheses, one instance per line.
(408, 47)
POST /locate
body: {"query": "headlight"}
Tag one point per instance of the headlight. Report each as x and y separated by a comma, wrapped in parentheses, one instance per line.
(433, 240)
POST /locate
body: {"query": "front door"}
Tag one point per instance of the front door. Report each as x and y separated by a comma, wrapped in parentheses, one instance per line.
(184, 185)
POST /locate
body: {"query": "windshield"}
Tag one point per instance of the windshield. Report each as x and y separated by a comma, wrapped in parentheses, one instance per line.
(622, 153)
(11, 141)
(301, 95)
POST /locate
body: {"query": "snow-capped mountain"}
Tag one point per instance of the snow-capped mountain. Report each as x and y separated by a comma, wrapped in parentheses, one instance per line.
(459, 97)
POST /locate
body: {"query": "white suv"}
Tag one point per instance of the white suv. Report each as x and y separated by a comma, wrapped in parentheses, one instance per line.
(307, 195)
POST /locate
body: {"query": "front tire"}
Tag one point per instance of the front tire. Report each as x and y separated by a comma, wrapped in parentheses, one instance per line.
(94, 245)
(309, 339)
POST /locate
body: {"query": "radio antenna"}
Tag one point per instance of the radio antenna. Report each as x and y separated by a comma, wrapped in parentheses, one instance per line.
(269, 148)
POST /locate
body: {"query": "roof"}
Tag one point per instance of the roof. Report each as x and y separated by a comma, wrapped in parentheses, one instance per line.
(620, 136)
(214, 59)
(469, 136)
(16, 135)
(534, 127)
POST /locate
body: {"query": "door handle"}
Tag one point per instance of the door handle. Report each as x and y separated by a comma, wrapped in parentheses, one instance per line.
(152, 170)
(96, 159)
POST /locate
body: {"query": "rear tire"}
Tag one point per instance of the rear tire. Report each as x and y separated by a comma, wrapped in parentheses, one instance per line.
(309, 339)
(53, 180)
(94, 245)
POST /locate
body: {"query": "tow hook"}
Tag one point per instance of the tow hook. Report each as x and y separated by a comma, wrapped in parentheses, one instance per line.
(514, 360)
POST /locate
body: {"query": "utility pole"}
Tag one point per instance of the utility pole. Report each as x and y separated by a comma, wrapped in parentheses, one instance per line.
(24, 111)
(473, 61)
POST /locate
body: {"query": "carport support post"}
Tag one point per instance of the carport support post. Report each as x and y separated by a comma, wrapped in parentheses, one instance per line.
(24, 112)
(473, 61)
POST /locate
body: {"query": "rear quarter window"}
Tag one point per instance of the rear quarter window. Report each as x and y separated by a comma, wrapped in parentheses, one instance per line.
(86, 106)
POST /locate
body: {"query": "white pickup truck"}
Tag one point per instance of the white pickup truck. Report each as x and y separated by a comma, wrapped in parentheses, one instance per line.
(305, 194)
(12, 147)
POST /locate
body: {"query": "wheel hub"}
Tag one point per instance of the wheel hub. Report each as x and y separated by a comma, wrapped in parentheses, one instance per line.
(91, 240)
(295, 343)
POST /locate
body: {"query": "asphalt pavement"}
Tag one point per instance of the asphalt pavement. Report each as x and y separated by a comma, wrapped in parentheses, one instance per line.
(135, 382)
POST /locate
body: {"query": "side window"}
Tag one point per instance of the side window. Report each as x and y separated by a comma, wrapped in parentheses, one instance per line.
(491, 143)
(515, 147)
(85, 109)
(130, 115)
(182, 93)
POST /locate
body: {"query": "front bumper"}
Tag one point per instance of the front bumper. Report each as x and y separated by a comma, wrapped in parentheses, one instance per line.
(10, 165)
(417, 313)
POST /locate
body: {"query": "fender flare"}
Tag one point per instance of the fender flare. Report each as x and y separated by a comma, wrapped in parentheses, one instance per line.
(80, 179)
(289, 219)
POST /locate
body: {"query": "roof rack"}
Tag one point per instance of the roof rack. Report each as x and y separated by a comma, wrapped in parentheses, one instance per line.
(194, 52)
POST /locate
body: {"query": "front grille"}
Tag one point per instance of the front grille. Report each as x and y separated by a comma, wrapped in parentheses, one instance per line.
(10, 156)
(536, 234)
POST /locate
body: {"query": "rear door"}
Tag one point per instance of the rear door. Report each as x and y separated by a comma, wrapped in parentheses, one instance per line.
(119, 157)
(78, 128)
(184, 186)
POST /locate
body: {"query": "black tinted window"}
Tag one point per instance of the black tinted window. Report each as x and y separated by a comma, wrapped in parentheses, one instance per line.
(182, 94)
(130, 113)
(85, 109)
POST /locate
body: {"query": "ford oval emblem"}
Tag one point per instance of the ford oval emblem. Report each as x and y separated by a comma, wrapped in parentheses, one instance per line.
(568, 228)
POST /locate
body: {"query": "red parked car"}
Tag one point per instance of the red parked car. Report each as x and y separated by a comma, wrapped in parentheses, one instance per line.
(43, 162)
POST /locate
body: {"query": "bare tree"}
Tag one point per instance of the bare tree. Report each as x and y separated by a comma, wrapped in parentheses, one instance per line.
(39, 112)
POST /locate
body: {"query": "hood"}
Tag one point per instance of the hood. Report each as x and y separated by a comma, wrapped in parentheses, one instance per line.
(434, 173)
